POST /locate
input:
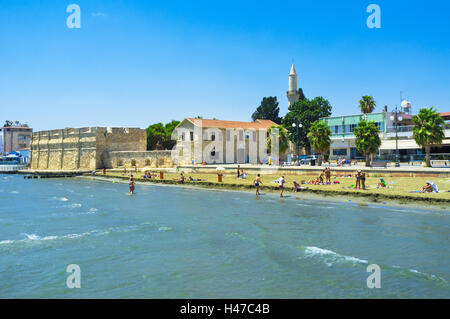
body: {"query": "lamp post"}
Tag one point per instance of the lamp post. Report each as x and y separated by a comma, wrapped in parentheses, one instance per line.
(396, 118)
(297, 126)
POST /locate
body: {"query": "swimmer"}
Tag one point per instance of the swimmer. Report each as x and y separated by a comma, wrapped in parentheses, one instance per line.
(257, 182)
(281, 185)
(131, 184)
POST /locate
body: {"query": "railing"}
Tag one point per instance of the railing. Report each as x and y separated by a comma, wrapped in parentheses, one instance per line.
(413, 158)
(408, 128)
(9, 163)
(11, 168)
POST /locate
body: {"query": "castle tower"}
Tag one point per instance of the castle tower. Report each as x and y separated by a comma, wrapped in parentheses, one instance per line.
(293, 94)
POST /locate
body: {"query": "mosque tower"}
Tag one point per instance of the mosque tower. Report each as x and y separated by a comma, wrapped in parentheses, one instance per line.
(293, 94)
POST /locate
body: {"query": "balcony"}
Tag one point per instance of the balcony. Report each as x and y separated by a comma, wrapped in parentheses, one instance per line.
(407, 131)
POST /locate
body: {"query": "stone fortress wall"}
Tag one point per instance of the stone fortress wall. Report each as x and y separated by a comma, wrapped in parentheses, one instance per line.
(90, 148)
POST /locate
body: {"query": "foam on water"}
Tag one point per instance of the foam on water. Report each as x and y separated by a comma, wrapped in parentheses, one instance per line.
(36, 238)
(330, 257)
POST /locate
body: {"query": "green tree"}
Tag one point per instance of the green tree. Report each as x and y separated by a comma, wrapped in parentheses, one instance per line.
(159, 136)
(268, 110)
(367, 104)
(319, 138)
(428, 130)
(367, 139)
(305, 112)
(283, 140)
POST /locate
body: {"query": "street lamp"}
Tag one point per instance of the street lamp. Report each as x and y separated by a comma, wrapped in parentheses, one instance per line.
(297, 139)
(297, 125)
(396, 118)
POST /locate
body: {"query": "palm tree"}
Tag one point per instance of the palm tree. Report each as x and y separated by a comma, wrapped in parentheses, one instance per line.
(428, 129)
(319, 138)
(367, 139)
(283, 140)
(367, 104)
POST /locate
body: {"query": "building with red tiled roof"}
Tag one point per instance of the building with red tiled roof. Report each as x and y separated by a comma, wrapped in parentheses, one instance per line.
(223, 141)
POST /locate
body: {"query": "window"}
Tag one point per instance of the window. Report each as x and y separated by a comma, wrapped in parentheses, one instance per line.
(380, 126)
(213, 137)
(192, 135)
(340, 151)
(350, 128)
(228, 135)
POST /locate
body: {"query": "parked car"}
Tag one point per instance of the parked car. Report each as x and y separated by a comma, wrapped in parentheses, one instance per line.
(307, 159)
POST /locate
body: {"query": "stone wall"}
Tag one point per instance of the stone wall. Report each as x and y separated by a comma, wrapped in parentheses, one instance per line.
(82, 148)
(129, 159)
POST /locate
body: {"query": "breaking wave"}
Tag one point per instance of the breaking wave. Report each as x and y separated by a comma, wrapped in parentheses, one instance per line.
(331, 257)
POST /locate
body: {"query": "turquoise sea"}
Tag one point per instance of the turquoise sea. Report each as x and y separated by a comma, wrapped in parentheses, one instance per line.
(177, 242)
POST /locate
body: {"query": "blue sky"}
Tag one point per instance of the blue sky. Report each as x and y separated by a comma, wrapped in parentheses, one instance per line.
(134, 63)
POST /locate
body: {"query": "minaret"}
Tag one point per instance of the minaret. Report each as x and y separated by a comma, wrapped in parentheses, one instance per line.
(293, 94)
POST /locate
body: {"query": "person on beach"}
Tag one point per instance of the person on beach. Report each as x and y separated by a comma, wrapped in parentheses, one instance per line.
(131, 184)
(382, 183)
(281, 185)
(320, 178)
(429, 188)
(328, 175)
(257, 182)
(358, 179)
(363, 180)
(181, 180)
(238, 171)
(296, 186)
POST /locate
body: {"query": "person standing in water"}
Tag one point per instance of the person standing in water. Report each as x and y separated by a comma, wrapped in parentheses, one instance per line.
(257, 182)
(281, 185)
(131, 184)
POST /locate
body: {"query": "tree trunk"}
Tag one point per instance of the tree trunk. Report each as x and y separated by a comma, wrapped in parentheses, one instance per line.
(367, 160)
(427, 156)
(319, 159)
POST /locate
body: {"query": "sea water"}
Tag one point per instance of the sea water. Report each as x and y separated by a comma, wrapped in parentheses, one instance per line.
(178, 242)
